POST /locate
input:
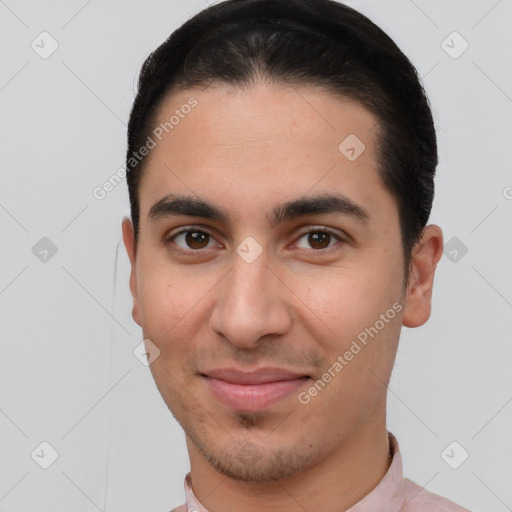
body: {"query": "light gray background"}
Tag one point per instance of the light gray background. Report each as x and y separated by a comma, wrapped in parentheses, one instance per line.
(67, 372)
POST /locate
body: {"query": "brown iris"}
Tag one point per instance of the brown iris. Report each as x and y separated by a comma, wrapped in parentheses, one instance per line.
(318, 239)
(197, 239)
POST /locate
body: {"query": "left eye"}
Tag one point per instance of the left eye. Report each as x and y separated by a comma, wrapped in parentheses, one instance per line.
(319, 239)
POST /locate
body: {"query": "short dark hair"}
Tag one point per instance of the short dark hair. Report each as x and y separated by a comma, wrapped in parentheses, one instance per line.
(301, 42)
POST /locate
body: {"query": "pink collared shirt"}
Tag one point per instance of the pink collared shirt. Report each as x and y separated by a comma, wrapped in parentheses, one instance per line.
(394, 493)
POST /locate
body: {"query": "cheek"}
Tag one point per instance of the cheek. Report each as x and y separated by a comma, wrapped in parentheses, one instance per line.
(359, 359)
(158, 304)
(166, 299)
(347, 300)
(359, 325)
(175, 305)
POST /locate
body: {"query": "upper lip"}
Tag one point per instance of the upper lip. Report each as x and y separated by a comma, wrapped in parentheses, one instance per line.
(259, 376)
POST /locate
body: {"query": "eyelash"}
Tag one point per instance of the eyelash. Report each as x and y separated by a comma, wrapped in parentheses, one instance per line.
(191, 229)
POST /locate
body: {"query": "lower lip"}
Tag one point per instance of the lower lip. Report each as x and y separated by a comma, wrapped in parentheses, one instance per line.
(253, 397)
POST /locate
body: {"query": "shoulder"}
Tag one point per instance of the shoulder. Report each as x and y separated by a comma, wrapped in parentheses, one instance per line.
(418, 499)
(181, 508)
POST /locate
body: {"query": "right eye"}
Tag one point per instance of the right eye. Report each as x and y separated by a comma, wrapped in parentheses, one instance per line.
(191, 240)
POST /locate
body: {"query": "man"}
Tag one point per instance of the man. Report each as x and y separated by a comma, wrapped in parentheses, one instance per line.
(281, 156)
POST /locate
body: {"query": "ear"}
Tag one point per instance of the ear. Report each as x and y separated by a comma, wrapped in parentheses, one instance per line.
(425, 256)
(129, 243)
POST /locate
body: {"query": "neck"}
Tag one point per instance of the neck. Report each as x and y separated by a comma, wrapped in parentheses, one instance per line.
(333, 485)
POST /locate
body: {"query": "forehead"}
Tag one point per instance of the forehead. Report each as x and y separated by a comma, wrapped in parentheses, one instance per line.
(265, 114)
(251, 146)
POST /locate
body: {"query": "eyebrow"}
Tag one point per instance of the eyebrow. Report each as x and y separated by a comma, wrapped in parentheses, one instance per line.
(173, 206)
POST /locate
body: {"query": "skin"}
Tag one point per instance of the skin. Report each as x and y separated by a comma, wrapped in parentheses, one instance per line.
(298, 306)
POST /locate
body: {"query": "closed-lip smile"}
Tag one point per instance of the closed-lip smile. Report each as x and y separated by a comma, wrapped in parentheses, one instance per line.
(252, 390)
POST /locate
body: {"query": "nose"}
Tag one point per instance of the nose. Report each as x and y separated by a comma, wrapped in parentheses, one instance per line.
(251, 302)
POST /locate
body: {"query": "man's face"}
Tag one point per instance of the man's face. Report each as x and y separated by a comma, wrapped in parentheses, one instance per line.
(250, 292)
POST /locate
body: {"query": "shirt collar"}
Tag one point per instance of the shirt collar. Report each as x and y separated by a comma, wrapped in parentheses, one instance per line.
(388, 496)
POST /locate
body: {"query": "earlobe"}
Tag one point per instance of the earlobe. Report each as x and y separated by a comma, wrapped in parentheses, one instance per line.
(129, 243)
(425, 256)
